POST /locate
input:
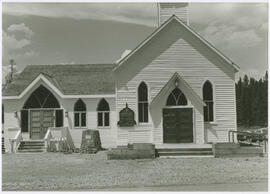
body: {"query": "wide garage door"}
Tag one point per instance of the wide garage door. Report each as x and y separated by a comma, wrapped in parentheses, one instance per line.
(177, 125)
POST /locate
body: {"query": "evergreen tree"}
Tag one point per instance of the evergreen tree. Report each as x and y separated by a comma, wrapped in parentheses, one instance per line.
(238, 101)
(252, 101)
(245, 100)
(265, 100)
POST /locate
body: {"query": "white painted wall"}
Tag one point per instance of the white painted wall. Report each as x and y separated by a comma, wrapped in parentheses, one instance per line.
(175, 49)
(107, 135)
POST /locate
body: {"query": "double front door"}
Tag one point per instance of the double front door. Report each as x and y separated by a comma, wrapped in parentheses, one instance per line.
(177, 125)
(40, 120)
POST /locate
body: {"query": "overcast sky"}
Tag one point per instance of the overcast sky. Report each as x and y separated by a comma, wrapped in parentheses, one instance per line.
(79, 33)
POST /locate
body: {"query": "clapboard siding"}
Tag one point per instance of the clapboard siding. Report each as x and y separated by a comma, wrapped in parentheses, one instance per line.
(139, 136)
(195, 63)
(166, 10)
(122, 136)
(108, 135)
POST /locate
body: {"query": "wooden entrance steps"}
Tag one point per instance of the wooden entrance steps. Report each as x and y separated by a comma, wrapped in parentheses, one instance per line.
(172, 152)
(32, 146)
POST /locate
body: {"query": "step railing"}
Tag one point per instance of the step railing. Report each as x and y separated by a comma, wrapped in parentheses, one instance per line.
(68, 138)
(250, 136)
(55, 135)
(47, 139)
(15, 142)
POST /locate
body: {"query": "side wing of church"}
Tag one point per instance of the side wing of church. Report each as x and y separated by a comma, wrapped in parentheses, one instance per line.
(179, 87)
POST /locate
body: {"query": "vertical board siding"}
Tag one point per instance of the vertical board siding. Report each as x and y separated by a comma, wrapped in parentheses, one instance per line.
(195, 68)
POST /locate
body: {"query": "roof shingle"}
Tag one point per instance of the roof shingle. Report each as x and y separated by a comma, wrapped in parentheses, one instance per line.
(90, 79)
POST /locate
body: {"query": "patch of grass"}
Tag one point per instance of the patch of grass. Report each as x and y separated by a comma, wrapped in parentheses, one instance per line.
(57, 171)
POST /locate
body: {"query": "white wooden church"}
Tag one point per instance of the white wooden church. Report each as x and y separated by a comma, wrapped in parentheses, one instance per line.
(179, 86)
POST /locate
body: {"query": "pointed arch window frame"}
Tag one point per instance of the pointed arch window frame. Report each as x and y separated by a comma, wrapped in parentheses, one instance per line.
(143, 105)
(209, 107)
(25, 111)
(80, 116)
(36, 97)
(103, 116)
(177, 99)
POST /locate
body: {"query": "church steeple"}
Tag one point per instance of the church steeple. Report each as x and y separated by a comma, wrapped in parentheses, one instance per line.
(166, 10)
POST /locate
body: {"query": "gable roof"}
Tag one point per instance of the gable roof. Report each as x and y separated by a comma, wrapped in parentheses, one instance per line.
(90, 79)
(183, 85)
(174, 17)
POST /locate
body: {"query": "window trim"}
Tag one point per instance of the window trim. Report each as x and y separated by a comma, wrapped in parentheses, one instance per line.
(214, 100)
(80, 112)
(33, 94)
(188, 102)
(103, 120)
(80, 119)
(138, 102)
(103, 115)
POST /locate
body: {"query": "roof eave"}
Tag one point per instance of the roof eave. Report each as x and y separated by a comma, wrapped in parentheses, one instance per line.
(143, 43)
(229, 61)
(166, 86)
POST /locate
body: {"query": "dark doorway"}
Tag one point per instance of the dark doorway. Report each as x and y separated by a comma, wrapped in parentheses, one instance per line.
(40, 121)
(177, 125)
(40, 111)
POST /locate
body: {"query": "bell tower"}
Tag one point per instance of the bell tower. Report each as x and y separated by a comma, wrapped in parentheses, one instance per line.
(166, 10)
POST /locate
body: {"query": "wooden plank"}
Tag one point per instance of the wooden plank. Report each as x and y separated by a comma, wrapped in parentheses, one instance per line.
(40, 120)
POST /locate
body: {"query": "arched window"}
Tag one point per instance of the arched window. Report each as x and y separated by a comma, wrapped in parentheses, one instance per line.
(143, 103)
(80, 114)
(176, 98)
(208, 100)
(41, 98)
(103, 111)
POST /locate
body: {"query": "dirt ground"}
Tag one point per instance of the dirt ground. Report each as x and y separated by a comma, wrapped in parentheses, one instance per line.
(70, 172)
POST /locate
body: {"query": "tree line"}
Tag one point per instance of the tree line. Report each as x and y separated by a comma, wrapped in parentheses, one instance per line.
(252, 101)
